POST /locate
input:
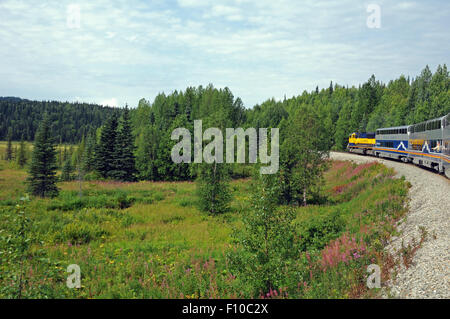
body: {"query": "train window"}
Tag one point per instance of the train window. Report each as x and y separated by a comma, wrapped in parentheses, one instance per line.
(436, 146)
(422, 127)
(387, 144)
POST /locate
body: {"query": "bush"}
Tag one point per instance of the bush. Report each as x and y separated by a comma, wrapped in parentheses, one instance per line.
(266, 247)
(123, 201)
(80, 233)
(70, 201)
(186, 202)
(317, 231)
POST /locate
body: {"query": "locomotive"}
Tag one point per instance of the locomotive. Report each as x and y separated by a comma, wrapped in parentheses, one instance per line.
(425, 144)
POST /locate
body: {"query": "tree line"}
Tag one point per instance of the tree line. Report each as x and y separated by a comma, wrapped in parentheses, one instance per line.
(69, 121)
(369, 106)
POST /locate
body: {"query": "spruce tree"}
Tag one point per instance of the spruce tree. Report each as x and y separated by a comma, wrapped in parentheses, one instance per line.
(88, 158)
(42, 174)
(9, 150)
(213, 189)
(124, 160)
(213, 179)
(67, 170)
(105, 151)
(22, 155)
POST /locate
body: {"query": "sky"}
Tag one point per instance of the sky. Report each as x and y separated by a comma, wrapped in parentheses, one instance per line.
(114, 52)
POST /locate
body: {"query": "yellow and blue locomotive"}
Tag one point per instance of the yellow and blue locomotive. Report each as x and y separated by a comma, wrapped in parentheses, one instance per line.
(424, 144)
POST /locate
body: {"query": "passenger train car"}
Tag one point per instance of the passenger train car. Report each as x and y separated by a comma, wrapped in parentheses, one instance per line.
(425, 144)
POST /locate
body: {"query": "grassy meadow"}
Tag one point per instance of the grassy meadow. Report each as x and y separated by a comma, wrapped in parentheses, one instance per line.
(149, 239)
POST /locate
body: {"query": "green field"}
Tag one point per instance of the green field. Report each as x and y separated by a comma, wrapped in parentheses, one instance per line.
(149, 240)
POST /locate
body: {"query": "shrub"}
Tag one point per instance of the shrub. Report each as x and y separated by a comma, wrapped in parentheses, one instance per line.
(266, 247)
(123, 201)
(70, 201)
(317, 231)
(80, 233)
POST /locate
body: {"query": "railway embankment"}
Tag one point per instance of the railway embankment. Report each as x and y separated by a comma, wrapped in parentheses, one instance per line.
(426, 227)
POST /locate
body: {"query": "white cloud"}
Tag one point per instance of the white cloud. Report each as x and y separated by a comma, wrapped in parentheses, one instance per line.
(194, 3)
(259, 48)
(110, 102)
(405, 5)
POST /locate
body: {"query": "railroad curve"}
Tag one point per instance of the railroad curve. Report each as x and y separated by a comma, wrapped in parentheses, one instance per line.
(429, 274)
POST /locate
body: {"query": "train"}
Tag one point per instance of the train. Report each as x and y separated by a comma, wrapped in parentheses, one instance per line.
(425, 144)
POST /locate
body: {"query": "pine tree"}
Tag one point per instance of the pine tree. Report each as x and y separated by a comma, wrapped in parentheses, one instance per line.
(42, 178)
(105, 151)
(22, 154)
(123, 167)
(88, 159)
(67, 170)
(212, 188)
(9, 150)
(212, 182)
(146, 153)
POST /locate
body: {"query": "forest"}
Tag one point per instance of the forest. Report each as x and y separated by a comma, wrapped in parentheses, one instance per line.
(343, 109)
(20, 118)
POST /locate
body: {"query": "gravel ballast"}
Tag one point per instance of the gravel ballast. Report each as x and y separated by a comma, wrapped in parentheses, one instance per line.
(429, 274)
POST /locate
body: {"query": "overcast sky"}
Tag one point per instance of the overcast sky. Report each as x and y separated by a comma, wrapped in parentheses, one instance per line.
(122, 51)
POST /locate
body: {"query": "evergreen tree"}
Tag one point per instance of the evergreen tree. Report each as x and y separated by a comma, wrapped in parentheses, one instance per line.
(9, 150)
(123, 167)
(42, 178)
(146, 153)
(106, 149)
(69, 121)
(212, 181)
(212, 188)
(88, 158)
(67, 170)
(22, 154)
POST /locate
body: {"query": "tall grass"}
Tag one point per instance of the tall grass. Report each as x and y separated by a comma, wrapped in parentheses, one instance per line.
(148, 239)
